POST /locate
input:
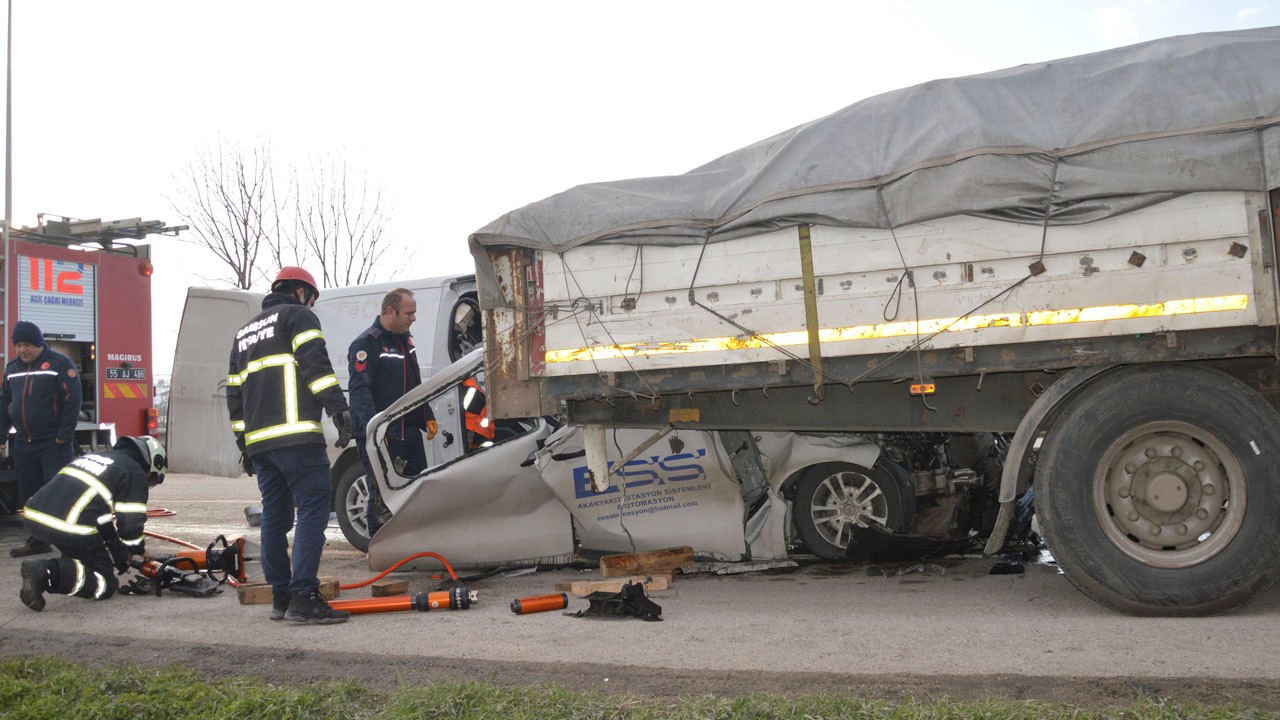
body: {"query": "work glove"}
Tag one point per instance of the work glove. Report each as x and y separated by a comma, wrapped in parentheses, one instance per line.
(119, 553)
(342, 421)
(119, 558)
(246, 463)
(433, 427)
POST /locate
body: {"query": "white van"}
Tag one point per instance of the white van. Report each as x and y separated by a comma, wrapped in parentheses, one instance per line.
(199, 435)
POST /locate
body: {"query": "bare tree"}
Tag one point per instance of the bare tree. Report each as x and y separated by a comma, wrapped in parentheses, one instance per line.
(340, 222)
(227, 195)
(328, 220)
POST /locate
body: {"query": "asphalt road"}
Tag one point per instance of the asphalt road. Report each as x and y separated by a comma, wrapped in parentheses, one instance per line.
(935, 627)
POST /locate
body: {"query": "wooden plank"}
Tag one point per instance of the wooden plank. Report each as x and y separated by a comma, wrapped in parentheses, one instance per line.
(644, 563)
(580, 588)
(258, 593)
(328, 587)
(384, 588)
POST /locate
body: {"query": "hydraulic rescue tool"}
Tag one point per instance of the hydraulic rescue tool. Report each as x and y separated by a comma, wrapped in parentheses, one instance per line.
(191, 572)
(458, 598)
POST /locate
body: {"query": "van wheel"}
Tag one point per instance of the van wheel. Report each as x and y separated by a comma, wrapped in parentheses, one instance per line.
(352, 501)
(1156, 490)
(833, 501)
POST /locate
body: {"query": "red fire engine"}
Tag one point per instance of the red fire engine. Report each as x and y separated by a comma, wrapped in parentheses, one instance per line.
(87, 285)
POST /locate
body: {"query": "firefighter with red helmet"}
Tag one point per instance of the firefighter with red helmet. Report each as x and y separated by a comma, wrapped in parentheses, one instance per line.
(476, 413)
(93, 511)
(383, 366)
(279, 380)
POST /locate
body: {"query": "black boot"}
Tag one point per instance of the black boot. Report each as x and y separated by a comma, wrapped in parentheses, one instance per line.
(32, 546)
(35, 581)
(311, 608)
(280, 604)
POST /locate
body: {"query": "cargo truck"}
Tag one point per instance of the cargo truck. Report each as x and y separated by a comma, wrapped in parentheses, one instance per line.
(1051, 286)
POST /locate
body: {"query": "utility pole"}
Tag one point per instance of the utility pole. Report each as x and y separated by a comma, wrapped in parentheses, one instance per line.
(8, 187)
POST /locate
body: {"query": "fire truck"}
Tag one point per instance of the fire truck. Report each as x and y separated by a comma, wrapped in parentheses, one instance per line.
(87, 285)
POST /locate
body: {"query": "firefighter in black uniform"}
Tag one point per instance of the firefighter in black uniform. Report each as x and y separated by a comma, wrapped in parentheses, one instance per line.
(279, 378)
(93, 511)
(40, 400)
(383, 366)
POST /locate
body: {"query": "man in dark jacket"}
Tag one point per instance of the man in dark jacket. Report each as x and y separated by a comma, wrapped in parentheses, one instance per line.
(279, 378)
(93, 511)
(383, 366)
(41, 401)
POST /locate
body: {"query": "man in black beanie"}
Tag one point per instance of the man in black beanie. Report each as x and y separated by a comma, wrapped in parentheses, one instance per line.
(40, 400)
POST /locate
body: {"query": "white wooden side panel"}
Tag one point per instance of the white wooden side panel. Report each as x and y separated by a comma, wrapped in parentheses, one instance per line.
(960, 264)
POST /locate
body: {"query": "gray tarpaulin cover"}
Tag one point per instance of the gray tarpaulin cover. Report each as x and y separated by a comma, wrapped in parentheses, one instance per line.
(1076, 139)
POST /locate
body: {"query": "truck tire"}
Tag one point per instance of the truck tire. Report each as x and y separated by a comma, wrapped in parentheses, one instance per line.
(351, 498)
(833, 500)
(1157, 491)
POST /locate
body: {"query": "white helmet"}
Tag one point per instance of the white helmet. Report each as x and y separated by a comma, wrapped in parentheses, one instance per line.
(152, 453)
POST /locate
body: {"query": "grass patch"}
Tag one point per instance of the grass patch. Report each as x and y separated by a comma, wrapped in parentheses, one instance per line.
(41, 689)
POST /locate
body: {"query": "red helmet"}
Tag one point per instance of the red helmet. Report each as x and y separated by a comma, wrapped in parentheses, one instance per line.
(289, 272)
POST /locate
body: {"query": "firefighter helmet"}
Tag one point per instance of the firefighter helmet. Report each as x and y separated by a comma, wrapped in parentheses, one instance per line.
(152, 453)
(290, 272)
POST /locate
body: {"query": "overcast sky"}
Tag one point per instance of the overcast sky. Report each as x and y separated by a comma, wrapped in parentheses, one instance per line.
(463, 111)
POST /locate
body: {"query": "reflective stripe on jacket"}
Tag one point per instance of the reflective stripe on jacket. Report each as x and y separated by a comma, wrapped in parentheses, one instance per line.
(383, 366)
(476, 409)
(100, 488)
(279, 376)
(40, 400)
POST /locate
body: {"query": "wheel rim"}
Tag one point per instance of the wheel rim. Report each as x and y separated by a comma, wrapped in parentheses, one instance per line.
(356, 504)
(844, 501)
(1169, 494)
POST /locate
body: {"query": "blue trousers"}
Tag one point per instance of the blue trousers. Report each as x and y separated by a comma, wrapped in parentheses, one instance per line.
(37, 462)
(414, 455)
(294, 478)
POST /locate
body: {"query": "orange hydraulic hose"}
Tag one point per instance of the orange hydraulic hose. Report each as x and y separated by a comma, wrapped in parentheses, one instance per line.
(161, 512)
(175, 541)
(386, 572)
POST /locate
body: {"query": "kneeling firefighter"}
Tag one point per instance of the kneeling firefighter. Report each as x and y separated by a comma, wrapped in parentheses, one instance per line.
(93, 511)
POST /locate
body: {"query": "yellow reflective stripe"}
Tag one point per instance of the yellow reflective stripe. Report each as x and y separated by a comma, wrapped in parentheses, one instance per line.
(306, 336)
(131, 507)
(259, 364)
(104, 518)
(279, 430)
(102, 586)
(1037, 318)
(94, 484)
(290, 394)
(1125, 312)
(132, 542)
(79, 577)
(58, 524)
(237, 426)
(324, 382)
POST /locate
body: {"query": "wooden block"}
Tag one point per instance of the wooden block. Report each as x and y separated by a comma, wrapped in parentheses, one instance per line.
(258, 593)
(586, 587)
(383, 588)
(328, 587)
(646, 563)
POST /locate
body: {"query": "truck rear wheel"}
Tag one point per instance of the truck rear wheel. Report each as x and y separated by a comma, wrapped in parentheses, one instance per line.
(833, 501)
(1157, 491)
